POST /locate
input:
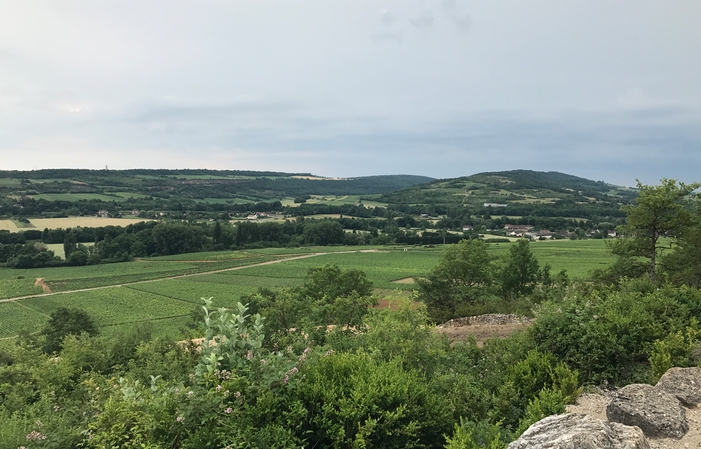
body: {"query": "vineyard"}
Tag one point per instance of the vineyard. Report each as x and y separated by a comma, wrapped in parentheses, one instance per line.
(144, 290)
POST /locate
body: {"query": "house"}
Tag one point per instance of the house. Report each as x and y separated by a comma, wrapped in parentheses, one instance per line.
(135, 211)
(103, 213)
(544, 235)
(467, 228)
(252, 217)
(517, 230)
(494, 205)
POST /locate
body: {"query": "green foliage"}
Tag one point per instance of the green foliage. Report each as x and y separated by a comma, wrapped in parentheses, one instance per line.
(539, 374)
(405, 335)
(64, 322)
(521, 272)
(548, 402)
(233, 342)
(471, 435)
(355, 402)
(674, 350)
(659, 211)
(464, 275)
(608, 335)
(331, 282)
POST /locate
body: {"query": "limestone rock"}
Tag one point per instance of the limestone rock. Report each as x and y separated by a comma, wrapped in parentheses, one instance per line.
(577, 431)
(684, 383)
(656, 412)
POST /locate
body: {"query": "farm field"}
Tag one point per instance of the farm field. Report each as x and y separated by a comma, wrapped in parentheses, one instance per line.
(335, 200)
(8, 225)
(153, 295)
(86, 222)
(57, 248)
(61, 279)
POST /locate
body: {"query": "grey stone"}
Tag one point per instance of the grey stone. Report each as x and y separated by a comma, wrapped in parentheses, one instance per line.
(656, 412)
(684, 383)
(578, 431)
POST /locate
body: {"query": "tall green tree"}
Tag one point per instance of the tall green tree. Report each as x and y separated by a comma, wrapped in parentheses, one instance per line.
(464, 274)
(63, 322)
(70, 242)
(659, 211)
(521, 272)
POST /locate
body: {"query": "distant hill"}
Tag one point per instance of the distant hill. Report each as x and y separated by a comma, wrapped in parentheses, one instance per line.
(518, 192)
(55, 184)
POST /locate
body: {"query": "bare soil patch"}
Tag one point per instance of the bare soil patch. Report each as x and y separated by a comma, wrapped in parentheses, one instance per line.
(481, 332)
(39, 282)
(483, 327)
(404, 281)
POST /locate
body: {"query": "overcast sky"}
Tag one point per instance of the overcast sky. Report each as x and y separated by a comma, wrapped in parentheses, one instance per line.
(608, 90)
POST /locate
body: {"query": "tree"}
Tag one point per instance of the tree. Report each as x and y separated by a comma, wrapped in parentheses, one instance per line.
(70, 243)
(466, 266)
(63, 322)
(464, 274)
(659, 211)
(683, 265)
(331, 282)
(521, 272)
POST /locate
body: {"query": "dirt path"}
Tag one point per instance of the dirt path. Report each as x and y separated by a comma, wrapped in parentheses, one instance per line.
(40, 281)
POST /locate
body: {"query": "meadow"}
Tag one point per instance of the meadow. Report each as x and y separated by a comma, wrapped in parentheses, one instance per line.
(164, 290)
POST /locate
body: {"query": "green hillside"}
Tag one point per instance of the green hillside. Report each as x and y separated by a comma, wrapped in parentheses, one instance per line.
(518, 192)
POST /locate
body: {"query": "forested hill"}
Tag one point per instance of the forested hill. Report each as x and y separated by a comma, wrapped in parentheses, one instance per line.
(517, 192)
(194, 184)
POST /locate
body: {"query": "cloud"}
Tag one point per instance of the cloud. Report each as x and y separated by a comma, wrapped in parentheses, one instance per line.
(387, 17)
(377, 38)
(462, 21)
(424, 20)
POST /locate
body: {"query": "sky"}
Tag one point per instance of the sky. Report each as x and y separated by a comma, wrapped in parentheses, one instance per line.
(605, 90)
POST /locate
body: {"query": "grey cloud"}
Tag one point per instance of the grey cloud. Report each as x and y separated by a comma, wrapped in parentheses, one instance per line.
(424, 20)
(377, 38)
(387, 17)
(462, 21)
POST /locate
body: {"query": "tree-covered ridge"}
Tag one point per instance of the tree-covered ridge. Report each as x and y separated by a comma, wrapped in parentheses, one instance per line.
(524, 192)
(196, 184)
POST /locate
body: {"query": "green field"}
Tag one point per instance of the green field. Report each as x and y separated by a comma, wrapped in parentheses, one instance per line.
(145, 290)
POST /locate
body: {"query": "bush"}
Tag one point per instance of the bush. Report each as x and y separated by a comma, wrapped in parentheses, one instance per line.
(609, 335)
(63, 322)
(354, 401)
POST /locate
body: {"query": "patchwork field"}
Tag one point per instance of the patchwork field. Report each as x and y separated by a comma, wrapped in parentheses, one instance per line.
(164, 290)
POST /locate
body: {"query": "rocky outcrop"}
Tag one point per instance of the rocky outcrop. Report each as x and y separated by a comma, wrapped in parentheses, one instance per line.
(656, 412)
(639, 416)
(683, 383)
(577, 431)
(487, 318)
